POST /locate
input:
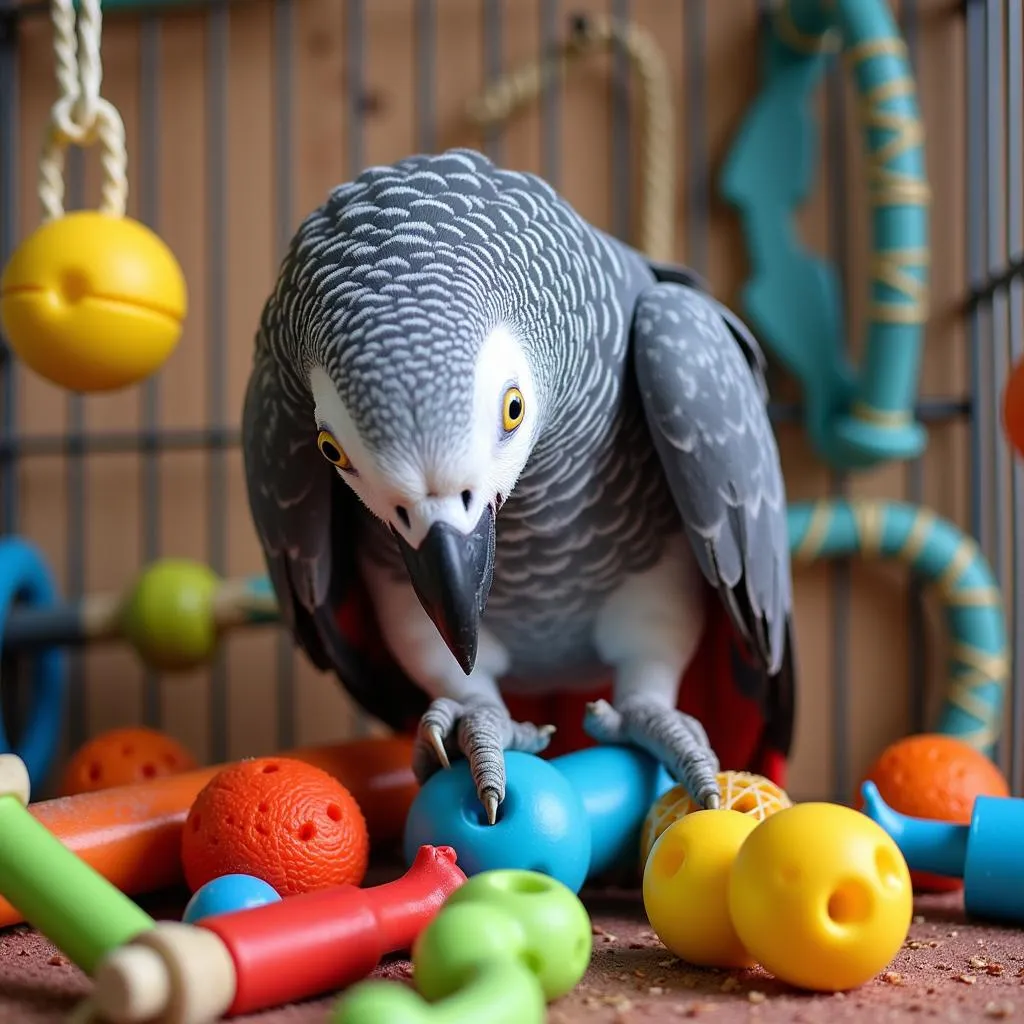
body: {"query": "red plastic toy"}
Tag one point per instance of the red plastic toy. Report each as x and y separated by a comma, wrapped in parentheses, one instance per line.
(267, 956)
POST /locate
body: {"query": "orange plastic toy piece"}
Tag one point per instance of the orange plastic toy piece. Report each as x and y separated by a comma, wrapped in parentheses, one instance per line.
(122, 757)
(1013, 409)
(281, 820)
(132, 835)
(937, 777)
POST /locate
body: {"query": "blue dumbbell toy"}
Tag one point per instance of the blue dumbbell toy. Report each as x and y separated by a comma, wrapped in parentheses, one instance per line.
(571, 818)
(986, 854)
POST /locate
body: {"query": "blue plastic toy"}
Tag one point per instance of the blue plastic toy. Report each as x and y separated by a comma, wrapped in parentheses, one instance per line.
(986, 854)
(571, 818)
(25, 576)
(793, 298)
(226, 894)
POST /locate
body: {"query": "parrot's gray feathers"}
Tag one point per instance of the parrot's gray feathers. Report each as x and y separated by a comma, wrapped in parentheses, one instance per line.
(409, 304)
(300, 508)
(701, 377)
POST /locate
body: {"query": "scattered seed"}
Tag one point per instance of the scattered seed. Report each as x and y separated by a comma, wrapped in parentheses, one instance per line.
(892, 978)
(996, 970)
(967, 979)
(978, 962)
(618, 1002)
(754, 996)
(655, 990)
(999, 1009)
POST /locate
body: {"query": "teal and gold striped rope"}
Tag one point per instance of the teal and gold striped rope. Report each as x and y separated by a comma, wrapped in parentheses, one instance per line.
(941, 554)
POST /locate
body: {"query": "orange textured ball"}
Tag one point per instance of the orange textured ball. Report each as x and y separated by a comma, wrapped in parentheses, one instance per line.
(281, 820)
(1013, 408)
(937, 777)
(122, 757)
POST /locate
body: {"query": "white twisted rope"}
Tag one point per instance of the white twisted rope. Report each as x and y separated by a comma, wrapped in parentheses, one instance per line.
(81, 116)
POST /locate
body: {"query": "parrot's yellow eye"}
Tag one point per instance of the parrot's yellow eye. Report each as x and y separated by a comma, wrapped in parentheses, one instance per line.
(332, 451)
(513, 409)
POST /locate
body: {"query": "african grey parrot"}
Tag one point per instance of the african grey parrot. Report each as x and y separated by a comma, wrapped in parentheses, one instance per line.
(531, 456)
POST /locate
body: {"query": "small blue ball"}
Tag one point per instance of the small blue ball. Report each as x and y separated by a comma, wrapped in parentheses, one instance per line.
(226, 894)
(542, 824)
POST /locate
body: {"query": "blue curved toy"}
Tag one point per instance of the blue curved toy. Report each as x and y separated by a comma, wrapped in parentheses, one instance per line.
(571, 818)
(986, 854)
(793, 298)
(24, 575)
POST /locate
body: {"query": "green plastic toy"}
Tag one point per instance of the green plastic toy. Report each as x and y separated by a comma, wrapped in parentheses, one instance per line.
(793, 298)
(505, 944)
(74, 906)
(169, 615)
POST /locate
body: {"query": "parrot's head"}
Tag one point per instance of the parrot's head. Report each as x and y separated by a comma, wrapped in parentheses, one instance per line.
(432, 304)
(432, 436)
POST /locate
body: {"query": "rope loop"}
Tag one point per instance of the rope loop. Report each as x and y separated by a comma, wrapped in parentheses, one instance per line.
(523, 85)
(81, 116)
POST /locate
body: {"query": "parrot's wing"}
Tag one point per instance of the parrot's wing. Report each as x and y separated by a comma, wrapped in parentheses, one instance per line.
(305, 519)
(700, 373)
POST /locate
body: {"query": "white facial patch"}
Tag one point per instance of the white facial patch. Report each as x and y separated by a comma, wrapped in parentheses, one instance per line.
(494, 460)
(457, 486)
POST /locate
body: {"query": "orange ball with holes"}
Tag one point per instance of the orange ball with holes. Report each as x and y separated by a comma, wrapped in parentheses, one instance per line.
(930, 775)
(284, 821)
(122, 757)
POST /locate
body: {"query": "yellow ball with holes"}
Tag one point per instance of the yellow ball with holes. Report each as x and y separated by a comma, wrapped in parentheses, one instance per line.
(821, 896)
(686, 887)
(741, 791)
(93, 302)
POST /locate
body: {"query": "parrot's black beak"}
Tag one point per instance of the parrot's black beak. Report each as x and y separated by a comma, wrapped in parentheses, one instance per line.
(451, 573)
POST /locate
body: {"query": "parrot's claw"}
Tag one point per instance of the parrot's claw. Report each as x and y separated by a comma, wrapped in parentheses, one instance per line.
(678, 741)
(435, 738)
(490, 802)
(481, 730)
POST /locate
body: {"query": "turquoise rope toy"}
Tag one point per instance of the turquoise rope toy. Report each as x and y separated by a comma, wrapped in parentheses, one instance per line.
(793, 298)
(941, 554)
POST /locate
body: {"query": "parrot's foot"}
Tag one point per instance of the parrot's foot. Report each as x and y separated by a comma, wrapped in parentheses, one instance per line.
(678, 741)
(485, 731)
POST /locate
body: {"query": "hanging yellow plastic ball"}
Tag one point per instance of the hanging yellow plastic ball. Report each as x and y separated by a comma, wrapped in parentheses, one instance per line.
(93, 302)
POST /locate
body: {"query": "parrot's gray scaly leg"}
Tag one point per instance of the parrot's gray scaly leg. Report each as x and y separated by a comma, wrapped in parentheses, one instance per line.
(649, 630)
(482, 730)
(675, 739)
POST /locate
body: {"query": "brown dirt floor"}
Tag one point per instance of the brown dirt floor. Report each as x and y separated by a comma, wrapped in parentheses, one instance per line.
(948, 970)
